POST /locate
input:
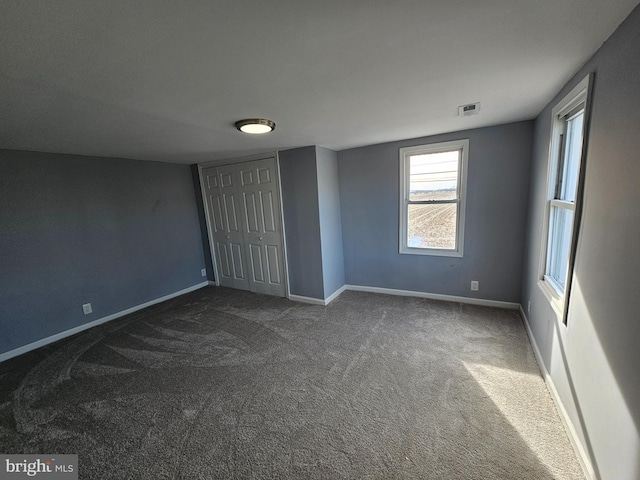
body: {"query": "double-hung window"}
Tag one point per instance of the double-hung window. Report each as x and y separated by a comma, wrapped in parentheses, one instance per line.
(565, 160)
(432, 198)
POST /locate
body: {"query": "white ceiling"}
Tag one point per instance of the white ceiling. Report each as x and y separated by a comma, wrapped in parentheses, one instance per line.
(166, 80)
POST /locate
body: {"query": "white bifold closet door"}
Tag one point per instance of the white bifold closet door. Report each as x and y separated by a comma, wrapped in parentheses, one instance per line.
(243, 205)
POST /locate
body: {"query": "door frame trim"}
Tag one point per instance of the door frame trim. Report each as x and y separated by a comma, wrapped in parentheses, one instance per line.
(207, 213)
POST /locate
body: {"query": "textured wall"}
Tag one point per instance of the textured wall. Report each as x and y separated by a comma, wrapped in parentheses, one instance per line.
(330, 220)
(299, 183)
(497, 183)
(594, 360)
(115, 233)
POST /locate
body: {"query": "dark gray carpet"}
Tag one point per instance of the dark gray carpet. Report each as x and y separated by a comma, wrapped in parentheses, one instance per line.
(222, 383)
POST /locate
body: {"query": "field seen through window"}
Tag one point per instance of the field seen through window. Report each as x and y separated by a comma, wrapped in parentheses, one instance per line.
(433, 177)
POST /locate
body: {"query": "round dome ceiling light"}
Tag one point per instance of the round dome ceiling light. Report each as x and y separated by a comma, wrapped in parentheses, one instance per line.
(255, 126)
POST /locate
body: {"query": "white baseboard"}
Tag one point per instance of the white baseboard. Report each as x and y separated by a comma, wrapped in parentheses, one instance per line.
(318, 301)
(311, 300)
(335, 295)
(67, 333)
(435, 296)
(581, 454)
(405, 293)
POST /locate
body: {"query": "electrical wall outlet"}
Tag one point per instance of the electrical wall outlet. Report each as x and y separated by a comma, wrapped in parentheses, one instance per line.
(86, 308)
(203, 272)
(475, 285)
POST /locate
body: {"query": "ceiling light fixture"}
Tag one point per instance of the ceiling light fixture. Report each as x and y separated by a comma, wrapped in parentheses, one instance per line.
(255, 125)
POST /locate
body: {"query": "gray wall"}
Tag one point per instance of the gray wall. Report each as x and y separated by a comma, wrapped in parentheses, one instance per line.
(594, 360)
(330, 220)
(299, 183)
(497, 187)
(115, 233)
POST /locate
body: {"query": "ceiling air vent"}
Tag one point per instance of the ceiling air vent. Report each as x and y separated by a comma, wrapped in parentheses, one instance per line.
(469, 109)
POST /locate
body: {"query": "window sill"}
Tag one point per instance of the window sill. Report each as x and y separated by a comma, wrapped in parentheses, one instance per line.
(554, 299)
(430, 251)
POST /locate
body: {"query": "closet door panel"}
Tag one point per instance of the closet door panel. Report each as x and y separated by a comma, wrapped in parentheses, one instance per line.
(243, 203)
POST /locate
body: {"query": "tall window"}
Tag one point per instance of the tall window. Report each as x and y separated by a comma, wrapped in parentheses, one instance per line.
(432, 198)
(567, 136)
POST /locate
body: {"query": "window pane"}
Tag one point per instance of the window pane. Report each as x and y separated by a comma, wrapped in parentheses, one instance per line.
(560, 224)
(573, 151)
(432, 226)
(434, 176)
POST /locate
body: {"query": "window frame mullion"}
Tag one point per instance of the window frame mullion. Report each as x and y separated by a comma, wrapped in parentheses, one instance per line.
(432, 202)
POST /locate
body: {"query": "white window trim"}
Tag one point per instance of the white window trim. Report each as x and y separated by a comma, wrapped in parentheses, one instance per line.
(547, 285)
(405, 153)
